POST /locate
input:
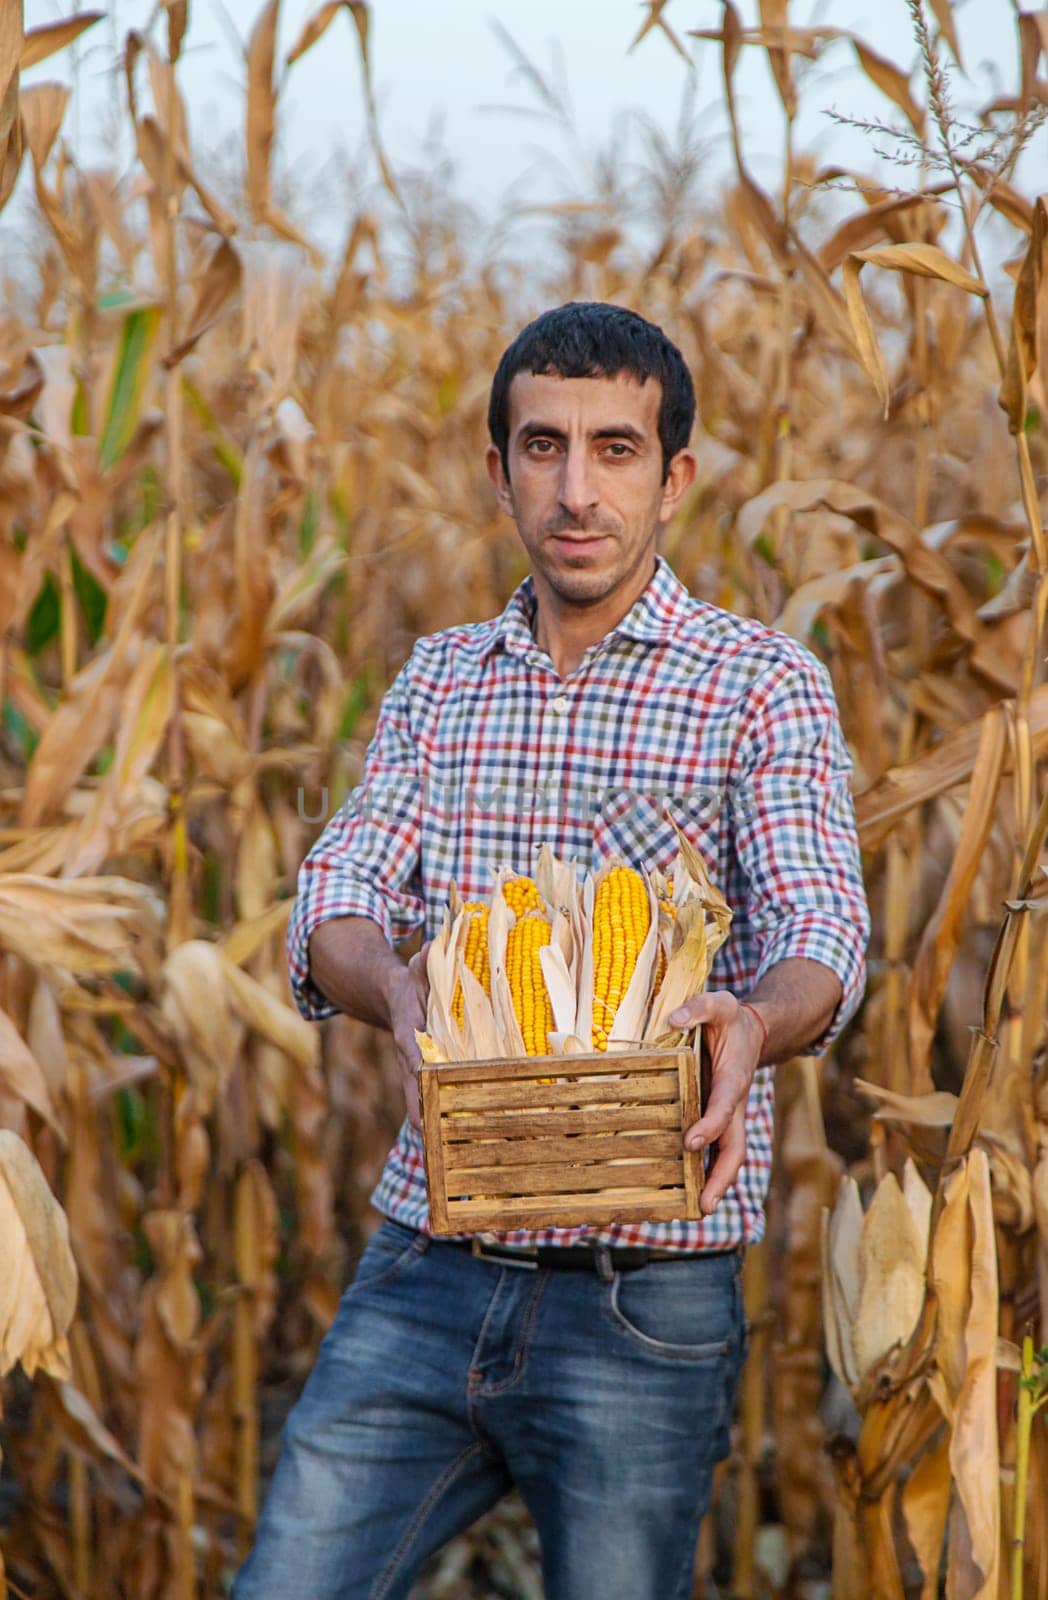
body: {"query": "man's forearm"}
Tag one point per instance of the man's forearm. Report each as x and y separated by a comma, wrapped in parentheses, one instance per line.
(796, 1000)
(352, 962)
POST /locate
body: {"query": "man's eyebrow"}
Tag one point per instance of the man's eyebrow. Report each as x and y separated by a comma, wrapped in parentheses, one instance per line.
(613, 430)
(620, 430)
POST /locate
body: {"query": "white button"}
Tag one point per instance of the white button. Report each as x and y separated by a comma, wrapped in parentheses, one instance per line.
(534, 660)
(559, 705)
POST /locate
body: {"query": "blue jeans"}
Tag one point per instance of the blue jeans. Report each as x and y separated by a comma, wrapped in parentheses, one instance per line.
(446, 1379)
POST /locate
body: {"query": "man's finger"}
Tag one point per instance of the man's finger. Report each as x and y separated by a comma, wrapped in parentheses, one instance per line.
(717, 1006)
(726, 1168)
(729, 1091)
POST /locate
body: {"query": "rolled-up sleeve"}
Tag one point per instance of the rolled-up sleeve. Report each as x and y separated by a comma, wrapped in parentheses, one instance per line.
(366, 862)
(796, 836)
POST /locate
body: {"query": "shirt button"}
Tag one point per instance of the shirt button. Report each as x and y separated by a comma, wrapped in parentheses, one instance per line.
(534, 660)
(559, 705)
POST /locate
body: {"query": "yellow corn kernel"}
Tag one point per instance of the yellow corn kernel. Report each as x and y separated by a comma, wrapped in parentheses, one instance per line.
(475, 955)
(527, 986)
(621, 917)
(521, 894)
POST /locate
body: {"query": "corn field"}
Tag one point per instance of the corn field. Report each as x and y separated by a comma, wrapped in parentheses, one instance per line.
(237, 480)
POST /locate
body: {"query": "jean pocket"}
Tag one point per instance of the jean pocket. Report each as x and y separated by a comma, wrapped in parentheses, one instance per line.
(688, 1318)
(391, 1249)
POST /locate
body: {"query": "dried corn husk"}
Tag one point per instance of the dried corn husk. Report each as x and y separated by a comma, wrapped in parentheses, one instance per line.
(38, 1283)
(873, 1272)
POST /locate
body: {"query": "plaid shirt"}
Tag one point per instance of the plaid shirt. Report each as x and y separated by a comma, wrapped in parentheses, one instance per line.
(482, 753)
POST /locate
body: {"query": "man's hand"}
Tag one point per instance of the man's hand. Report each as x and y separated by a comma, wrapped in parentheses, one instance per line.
(408, 993)
(796, 1000)
(352, 962)
(734, 1039)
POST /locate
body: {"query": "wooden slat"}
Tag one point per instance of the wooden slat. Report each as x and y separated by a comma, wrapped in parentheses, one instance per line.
(497, 1096)
(565, 1210)
(429, 1098)
(689, 1099)
(566, 1178)
(459, 1159)
(596, 1065)
(540, 1124)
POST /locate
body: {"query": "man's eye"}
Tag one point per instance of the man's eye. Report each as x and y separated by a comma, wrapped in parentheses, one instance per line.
(617, 449)
(540, 447)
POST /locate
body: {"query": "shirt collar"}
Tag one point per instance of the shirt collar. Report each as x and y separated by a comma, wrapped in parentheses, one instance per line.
(654, 616)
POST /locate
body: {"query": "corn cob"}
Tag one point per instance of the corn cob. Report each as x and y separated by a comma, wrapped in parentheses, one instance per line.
(527, 985)
(475, 955)
(621, 917)
(521, 894)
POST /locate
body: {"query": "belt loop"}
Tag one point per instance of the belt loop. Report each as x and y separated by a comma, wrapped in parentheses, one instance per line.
(604, 1267)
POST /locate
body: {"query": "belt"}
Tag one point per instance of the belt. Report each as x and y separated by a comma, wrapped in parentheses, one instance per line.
(577, 1258)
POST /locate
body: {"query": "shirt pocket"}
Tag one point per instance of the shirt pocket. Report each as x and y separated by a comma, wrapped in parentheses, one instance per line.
(639, 826)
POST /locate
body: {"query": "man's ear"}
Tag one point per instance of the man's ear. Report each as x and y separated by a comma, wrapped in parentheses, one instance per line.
(679, 479)
(497, 474)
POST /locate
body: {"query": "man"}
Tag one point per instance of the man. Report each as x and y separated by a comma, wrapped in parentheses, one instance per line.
(595, 1370)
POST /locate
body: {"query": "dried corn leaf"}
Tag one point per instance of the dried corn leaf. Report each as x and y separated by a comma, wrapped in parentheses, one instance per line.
(1027, 317)
(91, 927)
(219, 282)
(83, 1430)
(43, 108)
(866, 342)
(926, 261)
(44, 41)
(256, 1240)
(22, 1076)
(943, 931)
(925, 566)
(841, 1280)
(195, 1005)
(892, 82)
(974, 1544)
(925, 1507)
(38, 1286)
(270, 1017)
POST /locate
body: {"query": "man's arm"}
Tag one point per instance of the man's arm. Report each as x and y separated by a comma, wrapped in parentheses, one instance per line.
(355, 967)
(794, 830)
(796, 1001)
(364, 866)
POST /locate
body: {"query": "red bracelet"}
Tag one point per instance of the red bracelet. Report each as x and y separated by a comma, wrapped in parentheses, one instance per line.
(744, 1005)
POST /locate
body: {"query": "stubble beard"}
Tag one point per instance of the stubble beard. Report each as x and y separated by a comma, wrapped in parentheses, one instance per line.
(574, 578)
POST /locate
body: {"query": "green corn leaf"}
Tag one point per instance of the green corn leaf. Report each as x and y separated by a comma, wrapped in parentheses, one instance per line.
(137, 338)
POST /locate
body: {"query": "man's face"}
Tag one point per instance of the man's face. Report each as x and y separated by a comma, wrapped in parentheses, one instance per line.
(585, 480)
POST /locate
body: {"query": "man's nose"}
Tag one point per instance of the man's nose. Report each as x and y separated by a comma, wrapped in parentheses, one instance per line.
(578, 490)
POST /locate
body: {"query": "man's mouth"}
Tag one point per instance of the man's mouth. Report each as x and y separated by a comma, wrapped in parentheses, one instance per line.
(578, 544)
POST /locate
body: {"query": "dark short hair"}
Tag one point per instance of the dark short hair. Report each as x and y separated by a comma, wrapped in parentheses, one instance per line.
(590, 339)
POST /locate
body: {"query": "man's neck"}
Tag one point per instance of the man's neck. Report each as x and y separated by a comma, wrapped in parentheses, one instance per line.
(566, 630)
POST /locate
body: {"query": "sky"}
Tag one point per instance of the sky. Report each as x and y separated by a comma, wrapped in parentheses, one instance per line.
(446, 82)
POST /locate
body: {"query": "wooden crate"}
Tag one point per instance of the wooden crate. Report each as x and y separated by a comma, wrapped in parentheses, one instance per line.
(603, 1143)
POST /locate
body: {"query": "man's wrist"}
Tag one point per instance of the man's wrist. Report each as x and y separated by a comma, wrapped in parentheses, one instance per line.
(759, 1024)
